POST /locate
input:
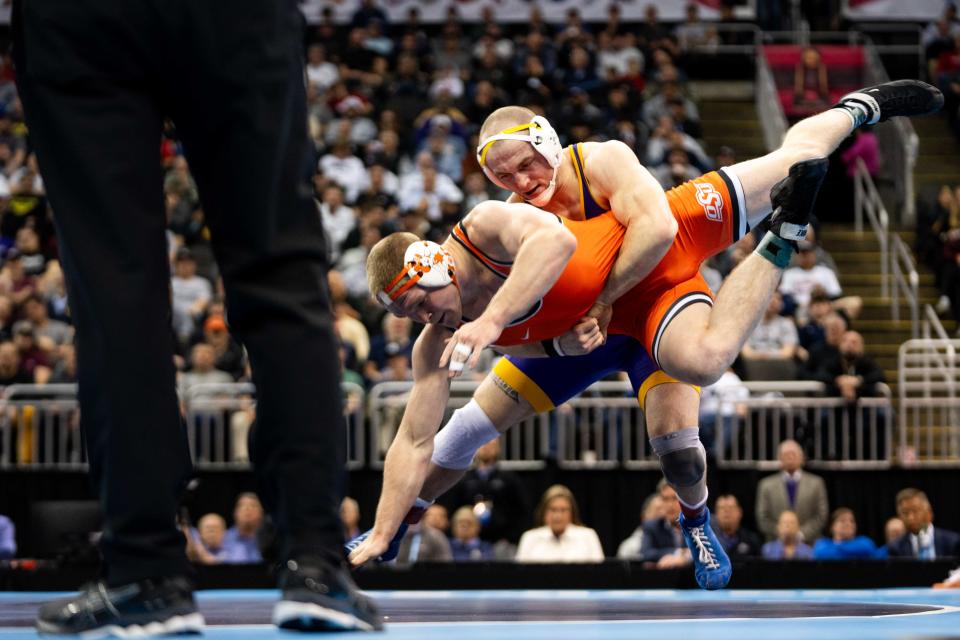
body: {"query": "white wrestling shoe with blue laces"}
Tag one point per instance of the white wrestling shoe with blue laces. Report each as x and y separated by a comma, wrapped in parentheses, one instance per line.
(711, 566)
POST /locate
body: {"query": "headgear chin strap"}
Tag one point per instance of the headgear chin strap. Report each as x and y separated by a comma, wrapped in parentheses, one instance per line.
(426, 264)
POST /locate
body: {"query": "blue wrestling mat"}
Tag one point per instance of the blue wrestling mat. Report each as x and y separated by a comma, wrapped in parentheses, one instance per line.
(578, 615)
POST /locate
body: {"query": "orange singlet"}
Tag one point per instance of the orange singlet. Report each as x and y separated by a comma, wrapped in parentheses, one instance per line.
(709, 213)
(582, 280)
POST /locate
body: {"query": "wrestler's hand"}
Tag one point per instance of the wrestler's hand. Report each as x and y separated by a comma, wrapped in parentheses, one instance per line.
(463, 348)
(603, 312)
(368, 550)
(582, 339)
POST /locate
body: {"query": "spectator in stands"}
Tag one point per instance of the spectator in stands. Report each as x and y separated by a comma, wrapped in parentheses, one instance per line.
(770, 350)
(240, 540)
(799, 281)
(321, 73)
(693, 33)
(427, 191)
(11, 371)
(788, 544)
(350, 517)
(202, 370)
(344, 168)
(191, 293)
(810, 89)
(498, 497)
(652, 510)
(49, 333)
(33, 359)
(14, 280)
(6, 318)
(8, 538)
(229, 355)
(666, 137)
(28, 244)
(205, 544)
(854, 375)
(844, 543)
(423, 543)
(737, 540)
(346, 321)
(720, 410)
(466, 544)
(792, 489)
(676, 170)
(438, 518)
(662, 540)
(396, 337)
(561, 536)
(65, 368)
(811, 331)
(834, 326)
(893, 530)
(922, 541)
(338, 219)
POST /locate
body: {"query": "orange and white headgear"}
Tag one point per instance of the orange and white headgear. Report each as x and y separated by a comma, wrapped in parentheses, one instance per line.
(544, 139)
(426, 264)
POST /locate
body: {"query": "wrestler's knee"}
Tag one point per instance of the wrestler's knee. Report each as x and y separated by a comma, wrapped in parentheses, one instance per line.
(701, 365)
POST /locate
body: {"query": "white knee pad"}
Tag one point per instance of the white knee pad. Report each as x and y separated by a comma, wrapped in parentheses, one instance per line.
(469, 429)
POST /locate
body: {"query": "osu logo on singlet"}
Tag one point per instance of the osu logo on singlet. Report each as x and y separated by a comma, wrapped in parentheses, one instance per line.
(710, 200)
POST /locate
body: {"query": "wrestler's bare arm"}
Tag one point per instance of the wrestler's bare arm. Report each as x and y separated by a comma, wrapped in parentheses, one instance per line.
(638, 202)
(537, 243)
(408, 458)
(539, 246)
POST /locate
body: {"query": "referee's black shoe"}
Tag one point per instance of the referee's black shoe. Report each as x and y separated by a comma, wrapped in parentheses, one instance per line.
(318, 596)
(162, 606)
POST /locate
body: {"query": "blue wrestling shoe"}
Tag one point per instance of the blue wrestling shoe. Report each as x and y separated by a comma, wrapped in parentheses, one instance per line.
(711, 565)
(392, 550)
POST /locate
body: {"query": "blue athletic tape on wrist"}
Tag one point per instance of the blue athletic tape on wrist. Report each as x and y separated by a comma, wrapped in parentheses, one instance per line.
(775, 249)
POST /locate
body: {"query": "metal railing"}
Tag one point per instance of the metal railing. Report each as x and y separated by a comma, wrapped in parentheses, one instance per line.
(40, 426)
(929, 406)
(905, 283)
(604, 428)
(773, 121)
(867, 202)
(835, 433)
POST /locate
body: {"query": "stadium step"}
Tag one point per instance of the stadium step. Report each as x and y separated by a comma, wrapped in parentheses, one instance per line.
(732, 123)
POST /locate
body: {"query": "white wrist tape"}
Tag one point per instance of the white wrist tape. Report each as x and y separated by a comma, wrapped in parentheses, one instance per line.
(468, 429)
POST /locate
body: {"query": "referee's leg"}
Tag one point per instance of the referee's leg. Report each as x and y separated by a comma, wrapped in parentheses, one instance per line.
(96, 131)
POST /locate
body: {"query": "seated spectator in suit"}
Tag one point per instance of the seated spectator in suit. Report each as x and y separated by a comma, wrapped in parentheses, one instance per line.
(561, 536)
(923, 540)
(350, 518)
(662, 540)
(240, 540)
(8, 538)
(737, 541)
(466, 544)
(652, 510)
(788, 545)
(792, 489)
(436, 516)
(844, 543)
(423, 543)
(497, 496)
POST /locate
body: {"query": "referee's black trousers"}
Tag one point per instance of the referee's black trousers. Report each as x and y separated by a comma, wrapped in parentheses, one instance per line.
(97, 79)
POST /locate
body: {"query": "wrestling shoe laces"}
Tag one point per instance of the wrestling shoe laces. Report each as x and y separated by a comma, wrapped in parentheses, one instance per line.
(706, 554)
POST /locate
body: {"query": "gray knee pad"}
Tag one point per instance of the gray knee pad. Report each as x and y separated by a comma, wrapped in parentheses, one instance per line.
(682, 457)
(684, 468)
